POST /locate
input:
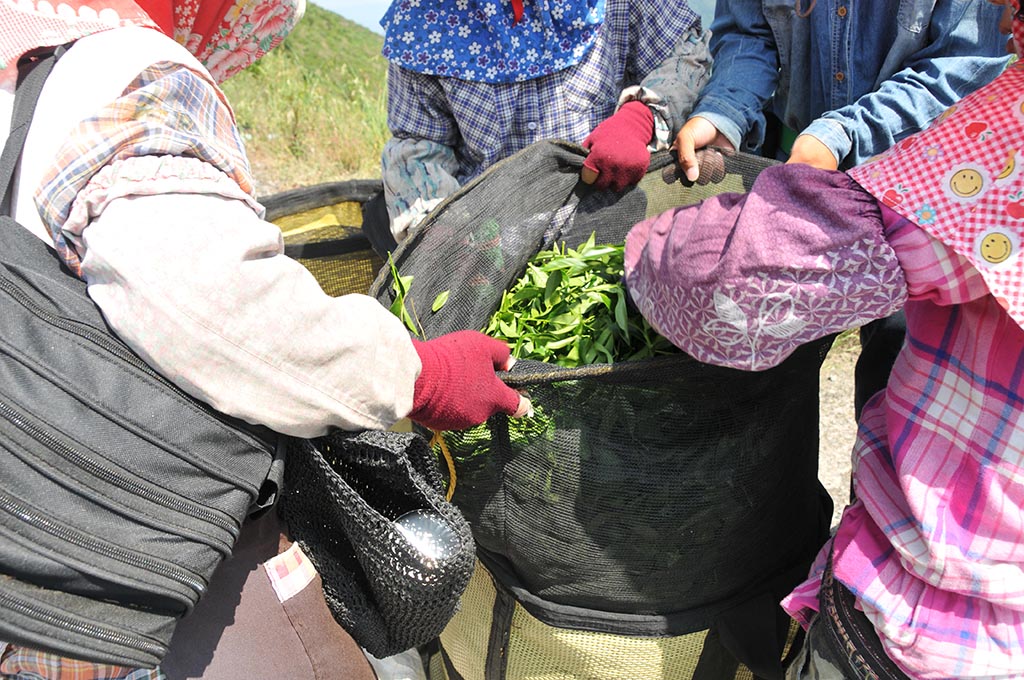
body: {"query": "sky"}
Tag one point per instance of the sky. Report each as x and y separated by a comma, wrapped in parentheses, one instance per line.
(364, 12)
(368, 12)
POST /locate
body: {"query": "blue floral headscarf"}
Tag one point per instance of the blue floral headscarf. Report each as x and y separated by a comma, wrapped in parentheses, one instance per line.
(481, 40)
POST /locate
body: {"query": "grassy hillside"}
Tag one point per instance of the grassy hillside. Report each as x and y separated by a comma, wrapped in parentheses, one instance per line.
(313, 110)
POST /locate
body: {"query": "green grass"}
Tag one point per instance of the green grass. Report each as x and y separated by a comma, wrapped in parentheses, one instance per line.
(313, 109)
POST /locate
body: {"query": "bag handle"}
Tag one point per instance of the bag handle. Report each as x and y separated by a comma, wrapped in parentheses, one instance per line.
(33, 68)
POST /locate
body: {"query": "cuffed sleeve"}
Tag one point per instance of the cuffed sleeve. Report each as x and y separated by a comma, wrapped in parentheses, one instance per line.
(742, 280)
(831, 134)
(746, 73)
(417, 174)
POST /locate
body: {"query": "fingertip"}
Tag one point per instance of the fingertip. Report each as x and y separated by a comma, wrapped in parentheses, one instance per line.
(501, 354)
(692, 173)
(525, 408)
(588, 175)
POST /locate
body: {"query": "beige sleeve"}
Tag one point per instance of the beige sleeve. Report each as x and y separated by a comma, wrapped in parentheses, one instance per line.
(198, 285)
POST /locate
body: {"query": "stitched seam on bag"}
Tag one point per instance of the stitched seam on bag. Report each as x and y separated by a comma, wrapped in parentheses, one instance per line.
(156, 523)
(121, 420)
(148, 375)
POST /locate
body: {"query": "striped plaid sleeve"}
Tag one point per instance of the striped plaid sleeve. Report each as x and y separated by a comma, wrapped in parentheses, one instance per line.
(656, 26)
(168, 111)
(933, 270)
(417, 108)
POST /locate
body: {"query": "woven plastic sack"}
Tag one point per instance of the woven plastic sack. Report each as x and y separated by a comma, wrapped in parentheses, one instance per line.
(323, 229)
(647, 498)
(494, 636)
(342, 496)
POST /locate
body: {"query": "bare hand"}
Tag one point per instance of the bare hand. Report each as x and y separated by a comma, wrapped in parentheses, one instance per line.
(696, 134)
(809, 150)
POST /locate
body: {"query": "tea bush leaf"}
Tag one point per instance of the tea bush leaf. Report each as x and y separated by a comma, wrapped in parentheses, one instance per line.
(570, 308)
(439, 301)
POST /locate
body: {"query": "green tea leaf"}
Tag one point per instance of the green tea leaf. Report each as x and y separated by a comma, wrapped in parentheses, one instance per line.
(569, 308)
(400, 285)
(620, 315)
(551, 287)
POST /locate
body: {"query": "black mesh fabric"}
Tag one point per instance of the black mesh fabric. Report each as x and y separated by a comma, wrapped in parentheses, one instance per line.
(644, 497)
(342, 496)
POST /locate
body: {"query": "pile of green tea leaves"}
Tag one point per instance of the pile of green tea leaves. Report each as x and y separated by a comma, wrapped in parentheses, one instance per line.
(570, 309)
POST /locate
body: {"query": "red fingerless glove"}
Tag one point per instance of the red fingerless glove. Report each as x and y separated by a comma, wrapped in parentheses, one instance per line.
(457, 387)
(618, 147)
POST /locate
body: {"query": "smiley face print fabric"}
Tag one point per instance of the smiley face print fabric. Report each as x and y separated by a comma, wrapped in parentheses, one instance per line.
(962, 181)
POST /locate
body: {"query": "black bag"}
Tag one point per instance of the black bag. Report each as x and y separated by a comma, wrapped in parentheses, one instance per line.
(343, 495)
(119, 493)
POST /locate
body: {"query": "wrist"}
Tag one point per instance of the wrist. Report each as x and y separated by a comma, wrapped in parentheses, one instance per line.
(431, 370)
(642, 118)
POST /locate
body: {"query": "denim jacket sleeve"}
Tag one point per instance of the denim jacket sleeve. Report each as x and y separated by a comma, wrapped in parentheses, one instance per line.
(962, 52)
(745, 73)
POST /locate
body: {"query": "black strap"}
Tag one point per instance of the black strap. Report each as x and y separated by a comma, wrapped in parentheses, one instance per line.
(33, 68)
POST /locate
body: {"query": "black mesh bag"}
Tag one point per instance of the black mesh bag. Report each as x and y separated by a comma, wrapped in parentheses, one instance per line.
(647, 497)
(342, 496)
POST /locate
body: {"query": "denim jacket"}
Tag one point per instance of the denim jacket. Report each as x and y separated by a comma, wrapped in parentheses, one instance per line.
(856, 74)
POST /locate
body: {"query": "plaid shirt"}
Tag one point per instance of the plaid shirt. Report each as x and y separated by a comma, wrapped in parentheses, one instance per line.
(933, 547)
(20, 663)
(447, 131)
(146, 143)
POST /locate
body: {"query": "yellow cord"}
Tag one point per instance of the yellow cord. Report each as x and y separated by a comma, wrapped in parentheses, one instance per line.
(438, 439)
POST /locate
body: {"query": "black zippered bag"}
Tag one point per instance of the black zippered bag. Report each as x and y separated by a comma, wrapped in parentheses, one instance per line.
(119, 493)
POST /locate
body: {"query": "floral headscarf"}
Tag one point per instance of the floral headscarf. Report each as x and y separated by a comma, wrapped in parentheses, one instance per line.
(226, 35)
(490, 41)
(962, 181)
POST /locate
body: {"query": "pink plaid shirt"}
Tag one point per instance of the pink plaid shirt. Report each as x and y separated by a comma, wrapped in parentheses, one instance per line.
(933, 547)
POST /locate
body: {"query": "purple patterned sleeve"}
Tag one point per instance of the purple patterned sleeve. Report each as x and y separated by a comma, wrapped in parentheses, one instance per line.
(742, 280)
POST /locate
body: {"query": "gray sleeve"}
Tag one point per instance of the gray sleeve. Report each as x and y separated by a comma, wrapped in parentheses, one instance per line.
(671, 89)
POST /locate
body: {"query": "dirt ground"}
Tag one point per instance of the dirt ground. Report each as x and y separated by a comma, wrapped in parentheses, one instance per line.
(836, 424)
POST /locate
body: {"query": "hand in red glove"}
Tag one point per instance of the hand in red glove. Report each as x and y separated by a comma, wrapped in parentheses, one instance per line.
(457, 387)
(618, 154)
